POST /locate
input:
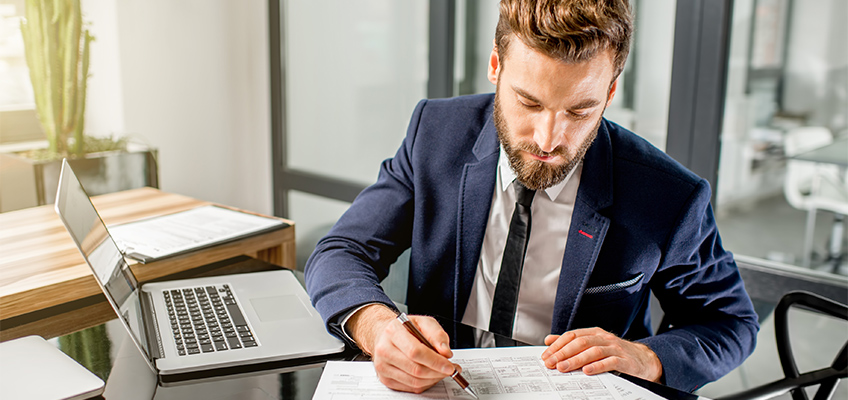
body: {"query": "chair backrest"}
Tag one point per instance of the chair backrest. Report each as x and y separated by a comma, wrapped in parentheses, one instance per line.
(794, 381)
(800, 174)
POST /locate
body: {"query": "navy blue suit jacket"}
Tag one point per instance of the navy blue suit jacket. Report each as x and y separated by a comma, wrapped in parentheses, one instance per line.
(648, 228)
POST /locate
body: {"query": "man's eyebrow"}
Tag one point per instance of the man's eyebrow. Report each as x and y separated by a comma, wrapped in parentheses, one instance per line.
(588, 103)
(582, 105)
(526, 95)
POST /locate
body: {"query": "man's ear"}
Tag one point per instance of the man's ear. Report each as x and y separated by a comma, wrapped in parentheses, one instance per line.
(613, 87)
(494, 66)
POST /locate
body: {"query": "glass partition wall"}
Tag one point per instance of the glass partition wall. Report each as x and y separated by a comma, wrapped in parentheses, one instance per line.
(719, 85)
(787, 93)
(347, 76)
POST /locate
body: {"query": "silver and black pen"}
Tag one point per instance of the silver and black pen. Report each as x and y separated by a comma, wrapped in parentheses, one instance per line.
(415, 332)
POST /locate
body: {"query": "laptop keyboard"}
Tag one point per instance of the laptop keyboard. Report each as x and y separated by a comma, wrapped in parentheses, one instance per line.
(207, 319)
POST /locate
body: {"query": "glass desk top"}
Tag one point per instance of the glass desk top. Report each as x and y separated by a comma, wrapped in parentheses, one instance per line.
(108, 352)
(833, 153)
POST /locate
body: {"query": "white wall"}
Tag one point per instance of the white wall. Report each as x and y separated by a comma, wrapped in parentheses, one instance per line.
(104, 97)
(190, 78)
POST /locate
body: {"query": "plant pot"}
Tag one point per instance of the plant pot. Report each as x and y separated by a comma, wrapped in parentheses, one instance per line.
(28, 183)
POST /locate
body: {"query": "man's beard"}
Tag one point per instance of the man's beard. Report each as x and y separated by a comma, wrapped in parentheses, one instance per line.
(536, 174)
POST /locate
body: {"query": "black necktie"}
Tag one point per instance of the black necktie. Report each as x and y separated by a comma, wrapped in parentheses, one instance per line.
(506, 291)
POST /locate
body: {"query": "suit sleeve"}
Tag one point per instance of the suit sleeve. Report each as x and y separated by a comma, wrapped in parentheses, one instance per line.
(714, 326)
(347, 266)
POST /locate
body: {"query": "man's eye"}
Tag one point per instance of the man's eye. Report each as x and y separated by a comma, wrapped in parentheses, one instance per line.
(528, 105)
(579, 115)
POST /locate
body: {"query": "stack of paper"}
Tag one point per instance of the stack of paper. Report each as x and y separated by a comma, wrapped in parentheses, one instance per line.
(497, 373)
(154, 238)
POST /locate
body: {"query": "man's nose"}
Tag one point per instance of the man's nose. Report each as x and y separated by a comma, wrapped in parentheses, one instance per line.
(550, 131)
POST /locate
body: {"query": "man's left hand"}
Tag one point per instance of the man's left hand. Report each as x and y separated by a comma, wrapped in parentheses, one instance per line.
(595, 350)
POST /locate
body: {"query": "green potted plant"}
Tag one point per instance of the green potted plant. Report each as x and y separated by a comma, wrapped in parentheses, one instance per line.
(57, 54)
(57, 48)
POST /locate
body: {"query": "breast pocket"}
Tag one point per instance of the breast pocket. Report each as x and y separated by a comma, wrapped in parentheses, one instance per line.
(597, 295)
(613, 307)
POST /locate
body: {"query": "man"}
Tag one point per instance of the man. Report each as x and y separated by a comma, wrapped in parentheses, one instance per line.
(610, 219)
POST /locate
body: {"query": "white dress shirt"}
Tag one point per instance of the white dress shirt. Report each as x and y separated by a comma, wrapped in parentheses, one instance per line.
(550, 222)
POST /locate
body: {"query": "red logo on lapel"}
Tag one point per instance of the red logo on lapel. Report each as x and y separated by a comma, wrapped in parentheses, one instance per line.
(585, 234)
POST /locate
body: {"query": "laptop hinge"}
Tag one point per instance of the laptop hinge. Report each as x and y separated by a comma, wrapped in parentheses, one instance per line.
(151, 326)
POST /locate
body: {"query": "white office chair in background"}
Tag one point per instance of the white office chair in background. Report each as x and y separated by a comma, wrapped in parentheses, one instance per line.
(812, 186)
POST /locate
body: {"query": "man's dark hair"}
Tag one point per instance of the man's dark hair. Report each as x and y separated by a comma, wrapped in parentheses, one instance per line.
(568, 30)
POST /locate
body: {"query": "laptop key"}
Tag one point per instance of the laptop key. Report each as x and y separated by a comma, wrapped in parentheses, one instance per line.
(249, 344)
(235, 314)
(193, 351)
(234, 343)
(220, 346)
(207, 348)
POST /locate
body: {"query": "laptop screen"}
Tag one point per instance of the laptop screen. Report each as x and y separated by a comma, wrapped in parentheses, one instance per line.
(100, 252)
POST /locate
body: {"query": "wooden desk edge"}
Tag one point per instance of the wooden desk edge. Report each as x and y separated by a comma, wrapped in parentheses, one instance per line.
(276, 247)
(95, 310)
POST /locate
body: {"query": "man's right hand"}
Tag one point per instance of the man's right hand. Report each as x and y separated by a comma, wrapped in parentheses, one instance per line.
(402, 362)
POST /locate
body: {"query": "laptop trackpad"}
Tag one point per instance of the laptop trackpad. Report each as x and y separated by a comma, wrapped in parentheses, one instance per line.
(279, 308)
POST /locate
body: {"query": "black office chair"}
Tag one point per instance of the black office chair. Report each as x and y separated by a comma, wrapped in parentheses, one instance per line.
(828, 378)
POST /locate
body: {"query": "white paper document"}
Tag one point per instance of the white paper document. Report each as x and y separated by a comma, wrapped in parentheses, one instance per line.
(172, 234)
(496, 373)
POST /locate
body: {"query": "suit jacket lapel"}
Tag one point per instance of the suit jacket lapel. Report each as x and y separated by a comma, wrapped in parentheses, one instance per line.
(587, 231)
(476, 189)
(585, 237)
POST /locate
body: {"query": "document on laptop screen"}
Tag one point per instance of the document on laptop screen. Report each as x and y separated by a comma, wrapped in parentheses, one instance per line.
(168, 235)
(494, 373)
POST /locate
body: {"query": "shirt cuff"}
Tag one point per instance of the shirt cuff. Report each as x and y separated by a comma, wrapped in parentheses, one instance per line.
(345, 317)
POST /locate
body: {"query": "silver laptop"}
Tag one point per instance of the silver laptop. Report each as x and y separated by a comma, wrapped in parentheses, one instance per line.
(202, 327)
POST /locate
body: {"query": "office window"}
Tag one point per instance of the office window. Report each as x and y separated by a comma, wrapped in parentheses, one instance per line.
(18, 120)
(787, 86)
(351, 74)
(354, 72)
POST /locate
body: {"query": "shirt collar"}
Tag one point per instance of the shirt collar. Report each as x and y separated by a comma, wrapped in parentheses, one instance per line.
(508, 175)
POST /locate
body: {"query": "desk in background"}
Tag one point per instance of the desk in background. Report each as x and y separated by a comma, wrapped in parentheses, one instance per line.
(47, 289)
(835, 154)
